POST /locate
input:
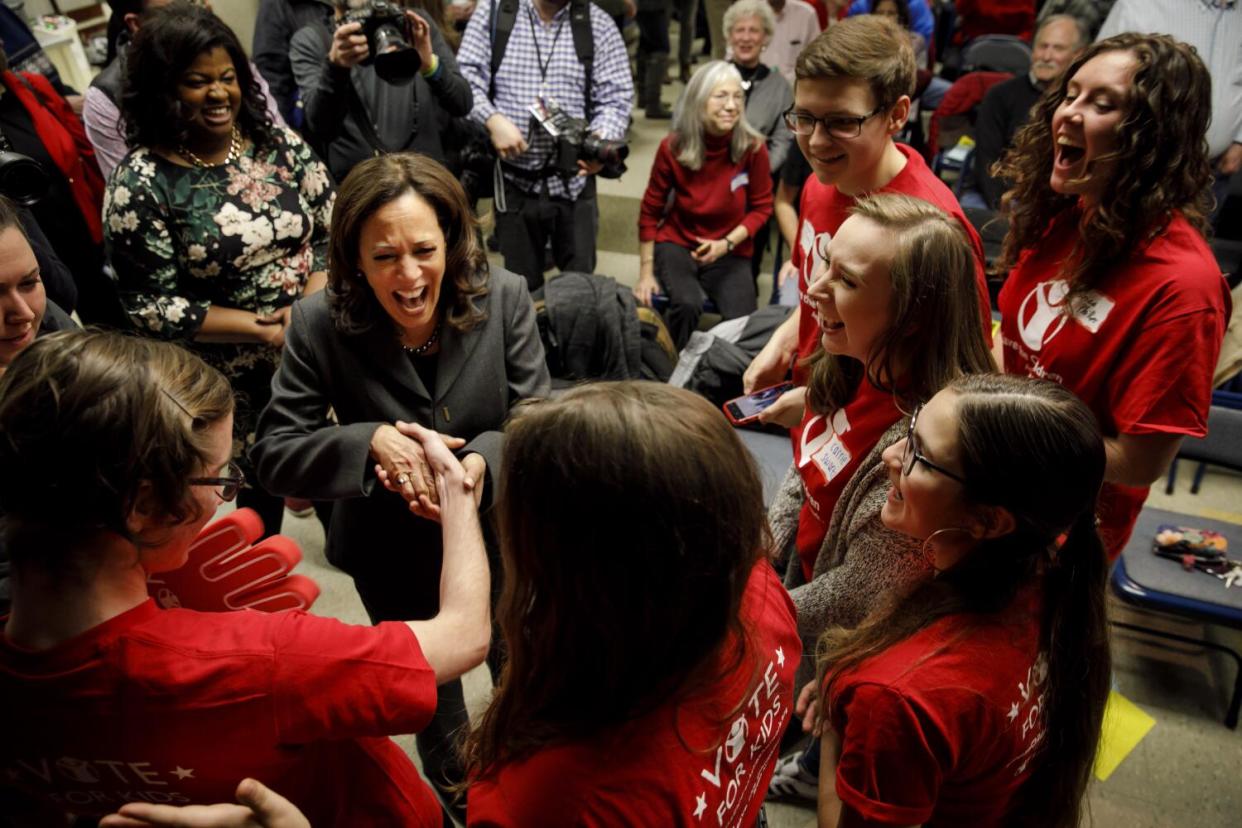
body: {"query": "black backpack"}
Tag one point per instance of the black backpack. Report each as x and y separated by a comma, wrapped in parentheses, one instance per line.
(478, 158)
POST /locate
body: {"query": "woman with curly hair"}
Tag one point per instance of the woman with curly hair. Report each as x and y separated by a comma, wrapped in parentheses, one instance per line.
(217, 220)
(414, 328)
(1114, 292)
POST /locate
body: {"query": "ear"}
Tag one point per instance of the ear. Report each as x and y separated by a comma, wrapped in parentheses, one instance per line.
(991, 522)
(898, 114)
(131, 22)
(141, 517)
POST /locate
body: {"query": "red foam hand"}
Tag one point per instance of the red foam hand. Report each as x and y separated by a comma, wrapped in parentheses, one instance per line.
(226, 570)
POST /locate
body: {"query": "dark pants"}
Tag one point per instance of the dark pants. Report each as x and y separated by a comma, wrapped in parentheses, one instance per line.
(686, 283)
(652, 32)
(531, 219)
(687, 10)
(439, 742)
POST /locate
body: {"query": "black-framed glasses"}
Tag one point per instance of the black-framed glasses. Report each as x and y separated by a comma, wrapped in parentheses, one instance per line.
(913, 455)
(229, 484)
(838, 126)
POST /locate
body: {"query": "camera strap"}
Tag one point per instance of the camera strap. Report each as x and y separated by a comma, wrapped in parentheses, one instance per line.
(504, 16)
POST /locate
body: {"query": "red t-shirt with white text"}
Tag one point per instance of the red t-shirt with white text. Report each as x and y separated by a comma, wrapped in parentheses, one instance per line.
(1140, 351)
(175, 706)
(704, 761)
(941, 729)
(828, 449)
(824, 209)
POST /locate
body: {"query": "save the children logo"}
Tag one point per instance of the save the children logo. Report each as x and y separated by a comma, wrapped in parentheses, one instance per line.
(825, 448)
(813, 246)
(1046, 309)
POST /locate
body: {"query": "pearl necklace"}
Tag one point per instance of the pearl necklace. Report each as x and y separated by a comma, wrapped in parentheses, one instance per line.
(426, 346)
(235, 150)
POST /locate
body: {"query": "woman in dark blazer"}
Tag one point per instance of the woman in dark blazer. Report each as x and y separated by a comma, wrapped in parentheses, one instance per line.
(413, 328)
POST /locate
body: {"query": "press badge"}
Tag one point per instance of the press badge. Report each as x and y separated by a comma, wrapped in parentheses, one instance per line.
(832, 458)
(739, 180)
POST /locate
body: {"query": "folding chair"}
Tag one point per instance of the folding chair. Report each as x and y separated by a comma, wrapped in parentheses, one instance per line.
(1221, 446)
(997, 53)
(1158, 585)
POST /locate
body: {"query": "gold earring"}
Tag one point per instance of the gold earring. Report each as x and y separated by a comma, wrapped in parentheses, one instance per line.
(929, 552)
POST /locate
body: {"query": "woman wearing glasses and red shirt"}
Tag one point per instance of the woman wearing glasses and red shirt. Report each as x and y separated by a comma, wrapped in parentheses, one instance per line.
(977, 700)
(125, 447)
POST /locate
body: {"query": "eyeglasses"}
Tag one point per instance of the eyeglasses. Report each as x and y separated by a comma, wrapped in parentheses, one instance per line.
(838, 126)
(912, 453)
(229, 485)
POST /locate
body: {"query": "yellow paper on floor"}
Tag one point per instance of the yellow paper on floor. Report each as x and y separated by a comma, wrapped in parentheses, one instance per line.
(1125, 725)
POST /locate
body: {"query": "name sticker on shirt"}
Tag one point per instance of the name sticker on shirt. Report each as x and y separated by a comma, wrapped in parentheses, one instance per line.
(833, 458)
(739, 180)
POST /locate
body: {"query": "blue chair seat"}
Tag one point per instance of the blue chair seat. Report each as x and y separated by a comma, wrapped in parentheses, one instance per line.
(1159, 585)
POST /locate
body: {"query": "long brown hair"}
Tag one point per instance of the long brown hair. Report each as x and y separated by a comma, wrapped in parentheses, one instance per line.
(369, 186)
(1033, 448)
(88, 418)
(630, 519)
(1161, 166)
(935, 335)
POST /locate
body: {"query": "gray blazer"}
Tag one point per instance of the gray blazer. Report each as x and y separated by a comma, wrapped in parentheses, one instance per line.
(368, 380)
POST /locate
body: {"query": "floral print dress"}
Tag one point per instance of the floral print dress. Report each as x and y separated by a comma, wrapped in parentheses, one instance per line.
(244, 235)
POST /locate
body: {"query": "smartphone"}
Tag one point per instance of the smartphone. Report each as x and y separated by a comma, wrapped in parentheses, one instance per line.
(745, 410)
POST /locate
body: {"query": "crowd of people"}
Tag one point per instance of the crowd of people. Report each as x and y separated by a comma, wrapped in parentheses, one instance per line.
(286, 294)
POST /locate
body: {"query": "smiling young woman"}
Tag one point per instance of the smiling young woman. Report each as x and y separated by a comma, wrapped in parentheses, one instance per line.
(1113, 290)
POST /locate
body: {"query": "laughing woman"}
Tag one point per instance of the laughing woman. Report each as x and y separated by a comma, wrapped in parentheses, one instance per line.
(1114, 292)
(217, 220)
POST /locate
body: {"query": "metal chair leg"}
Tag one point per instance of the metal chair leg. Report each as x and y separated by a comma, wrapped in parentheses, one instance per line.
(1235, 702)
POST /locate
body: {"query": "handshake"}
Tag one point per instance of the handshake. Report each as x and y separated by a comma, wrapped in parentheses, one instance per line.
(417, 463)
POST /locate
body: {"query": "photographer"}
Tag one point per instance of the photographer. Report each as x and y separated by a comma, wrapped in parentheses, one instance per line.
(538, 60)
(358, 104)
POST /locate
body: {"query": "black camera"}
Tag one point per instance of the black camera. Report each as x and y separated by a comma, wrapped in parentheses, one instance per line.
(22, 179)
(384, 24)
(575, 143)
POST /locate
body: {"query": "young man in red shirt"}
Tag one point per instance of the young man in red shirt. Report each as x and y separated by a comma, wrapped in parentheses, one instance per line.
(851, 97)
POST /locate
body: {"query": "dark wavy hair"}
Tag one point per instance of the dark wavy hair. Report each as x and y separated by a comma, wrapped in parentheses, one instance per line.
(368, 187)
(1034, 449)
(630, 521)
(937, 331)
(90, 417)
(1162, 164)
(171, 38)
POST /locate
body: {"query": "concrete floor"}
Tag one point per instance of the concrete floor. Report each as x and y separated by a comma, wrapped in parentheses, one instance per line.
(1184, 772)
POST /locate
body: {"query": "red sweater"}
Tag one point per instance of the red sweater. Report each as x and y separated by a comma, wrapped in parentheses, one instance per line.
(707, 202)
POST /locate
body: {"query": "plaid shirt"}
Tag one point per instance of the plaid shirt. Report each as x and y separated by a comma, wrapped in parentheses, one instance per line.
(519, 81)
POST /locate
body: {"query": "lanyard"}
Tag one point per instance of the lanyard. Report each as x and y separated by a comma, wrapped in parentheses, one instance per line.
(534, 33)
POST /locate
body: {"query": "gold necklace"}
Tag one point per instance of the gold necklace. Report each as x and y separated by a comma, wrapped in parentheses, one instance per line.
(235, 150)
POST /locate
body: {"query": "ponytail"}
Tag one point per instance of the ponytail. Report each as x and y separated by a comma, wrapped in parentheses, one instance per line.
(1075, 638)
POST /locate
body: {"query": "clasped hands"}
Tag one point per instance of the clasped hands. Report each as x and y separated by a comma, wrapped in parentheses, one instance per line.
(407, 464)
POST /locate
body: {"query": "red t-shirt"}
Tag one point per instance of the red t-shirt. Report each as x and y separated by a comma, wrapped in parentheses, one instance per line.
(175, 706)
(707, 202)
(704, 761)
(941, 729)
(824, 209)
(1141, 350)
(827, 452)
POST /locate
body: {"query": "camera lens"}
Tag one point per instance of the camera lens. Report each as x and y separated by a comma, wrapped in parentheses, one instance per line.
(22, 179)
(395, 61)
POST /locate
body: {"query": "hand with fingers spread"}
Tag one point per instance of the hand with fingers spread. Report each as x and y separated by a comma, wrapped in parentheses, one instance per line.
(259, 807)
(401, 466)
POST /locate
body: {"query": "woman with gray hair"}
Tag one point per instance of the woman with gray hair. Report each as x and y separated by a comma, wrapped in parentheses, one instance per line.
(748, 28)
(709, 191)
